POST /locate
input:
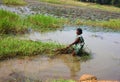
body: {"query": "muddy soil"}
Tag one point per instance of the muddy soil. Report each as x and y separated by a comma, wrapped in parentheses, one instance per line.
(36, 7)
(72, 11)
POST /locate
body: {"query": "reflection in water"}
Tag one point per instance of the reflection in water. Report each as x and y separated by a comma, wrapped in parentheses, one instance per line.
(73, 65)
(40, 68)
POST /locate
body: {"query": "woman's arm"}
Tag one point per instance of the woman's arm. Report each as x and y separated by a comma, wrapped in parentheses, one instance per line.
(76, 41)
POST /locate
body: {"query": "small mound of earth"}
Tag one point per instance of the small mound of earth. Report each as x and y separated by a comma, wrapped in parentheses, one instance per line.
(92, 78)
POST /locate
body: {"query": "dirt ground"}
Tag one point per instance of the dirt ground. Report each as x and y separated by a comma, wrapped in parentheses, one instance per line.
(71, 11)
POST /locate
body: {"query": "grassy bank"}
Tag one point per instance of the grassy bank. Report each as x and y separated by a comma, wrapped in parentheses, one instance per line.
(78, 3)
(12, 47)
(14, 2)
(113, 24)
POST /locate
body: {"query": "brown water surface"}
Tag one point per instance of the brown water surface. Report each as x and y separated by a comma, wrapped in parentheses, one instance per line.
(105, 64)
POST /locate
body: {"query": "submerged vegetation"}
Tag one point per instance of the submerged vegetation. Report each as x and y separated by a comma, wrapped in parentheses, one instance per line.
(79, 3)
(14, 2)
(11, 47)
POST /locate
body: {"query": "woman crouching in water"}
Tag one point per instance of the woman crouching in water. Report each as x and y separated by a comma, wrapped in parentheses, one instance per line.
(78, 43)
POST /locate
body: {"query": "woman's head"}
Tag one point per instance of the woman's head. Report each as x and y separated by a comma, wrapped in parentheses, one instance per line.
(79, 31)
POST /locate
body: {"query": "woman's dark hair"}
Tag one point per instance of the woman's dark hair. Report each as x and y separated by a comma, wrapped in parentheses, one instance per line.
(79, 30)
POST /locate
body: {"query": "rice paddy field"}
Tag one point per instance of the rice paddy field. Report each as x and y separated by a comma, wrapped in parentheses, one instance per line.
(34, 35)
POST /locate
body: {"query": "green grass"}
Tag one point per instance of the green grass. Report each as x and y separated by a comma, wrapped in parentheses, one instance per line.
(11, 23)
(88, 5)
(14, 2)
(12, 47)
(113, 24)
(45, 23)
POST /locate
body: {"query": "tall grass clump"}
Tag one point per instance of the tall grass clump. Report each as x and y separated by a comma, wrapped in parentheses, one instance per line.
(14, 2)
(11, 47)
(11, 23)
(45, 23)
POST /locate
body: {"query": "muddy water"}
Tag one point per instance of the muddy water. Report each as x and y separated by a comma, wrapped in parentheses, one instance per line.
(105, 64)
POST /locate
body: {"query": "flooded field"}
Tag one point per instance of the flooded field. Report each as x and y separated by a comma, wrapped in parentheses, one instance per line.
(103, 46)
(105, 62)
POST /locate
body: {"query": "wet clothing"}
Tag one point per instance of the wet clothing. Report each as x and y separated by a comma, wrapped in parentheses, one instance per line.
(79, 46)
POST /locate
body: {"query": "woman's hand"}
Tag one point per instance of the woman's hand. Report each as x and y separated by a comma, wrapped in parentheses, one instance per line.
(68, 46)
